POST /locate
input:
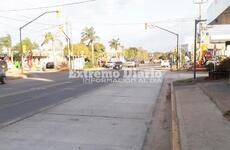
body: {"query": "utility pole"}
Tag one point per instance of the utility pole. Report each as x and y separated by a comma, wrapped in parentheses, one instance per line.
(92, 48)
(200, 3)
(195, 47)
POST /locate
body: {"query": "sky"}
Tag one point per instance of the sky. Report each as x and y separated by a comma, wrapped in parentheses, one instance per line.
(123, 19)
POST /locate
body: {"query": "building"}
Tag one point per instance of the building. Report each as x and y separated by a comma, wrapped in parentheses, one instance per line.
(219, 14)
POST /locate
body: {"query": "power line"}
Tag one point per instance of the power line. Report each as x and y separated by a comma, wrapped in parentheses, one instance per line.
(22, 20)
(45, 7)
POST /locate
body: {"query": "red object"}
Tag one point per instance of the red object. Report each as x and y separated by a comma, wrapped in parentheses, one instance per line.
(208, 55)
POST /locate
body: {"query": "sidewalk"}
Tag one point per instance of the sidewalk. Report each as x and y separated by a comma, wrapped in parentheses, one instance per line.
(114, 117)
(201, 124)
(219, 93)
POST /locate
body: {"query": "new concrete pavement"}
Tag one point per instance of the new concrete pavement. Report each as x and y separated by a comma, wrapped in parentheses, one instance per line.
(97, 116)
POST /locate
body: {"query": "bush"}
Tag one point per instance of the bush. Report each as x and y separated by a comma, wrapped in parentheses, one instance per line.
(210, 67)
(224, 65)
(88, 65)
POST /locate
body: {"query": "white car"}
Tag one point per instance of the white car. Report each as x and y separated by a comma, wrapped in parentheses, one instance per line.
(110, 64)
(165, 63)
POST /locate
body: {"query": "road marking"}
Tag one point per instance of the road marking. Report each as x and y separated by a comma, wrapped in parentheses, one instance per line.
(34, 89)
(40, 79)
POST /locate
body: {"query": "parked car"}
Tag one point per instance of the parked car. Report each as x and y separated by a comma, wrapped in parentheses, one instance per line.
(2, 75)
(50, 65)
(109, 64)
(165, 63)
(118, 65)
(131, 64)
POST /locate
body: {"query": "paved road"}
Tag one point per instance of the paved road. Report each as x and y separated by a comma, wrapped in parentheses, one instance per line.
(23, 97)
(97, 116)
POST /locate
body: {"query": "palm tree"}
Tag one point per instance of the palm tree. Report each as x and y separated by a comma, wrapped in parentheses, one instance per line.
(88, 34)
(6, 42)
(48, 37)
(114, 44)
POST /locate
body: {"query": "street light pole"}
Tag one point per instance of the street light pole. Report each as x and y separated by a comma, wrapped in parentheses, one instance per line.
(177, 37)
(69, 48)
(20, 32)
(195, 47)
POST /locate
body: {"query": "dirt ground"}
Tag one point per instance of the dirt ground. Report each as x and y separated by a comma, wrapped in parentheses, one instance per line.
(158, 134)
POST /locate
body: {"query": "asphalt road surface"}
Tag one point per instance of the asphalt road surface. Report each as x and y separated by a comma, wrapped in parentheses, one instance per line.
(21, 98)
(99, 116)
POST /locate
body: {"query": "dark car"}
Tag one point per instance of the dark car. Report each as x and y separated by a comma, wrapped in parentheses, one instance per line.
(118, 65)
(2, 75)
(50, 65)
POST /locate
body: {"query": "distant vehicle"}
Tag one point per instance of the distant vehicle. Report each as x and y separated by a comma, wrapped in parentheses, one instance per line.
(131, 64)
(109, 64)
(2, 75)
(155, 61)
(165, 63)
(118, 65)
(142, 61)
(50, 65)
(3, 65)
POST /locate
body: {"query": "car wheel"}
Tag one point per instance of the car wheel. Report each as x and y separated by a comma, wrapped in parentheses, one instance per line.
(3, 80)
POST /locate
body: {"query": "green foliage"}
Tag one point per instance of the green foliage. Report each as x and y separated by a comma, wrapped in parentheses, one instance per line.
(136, 53)
(5, 42)
(99, 50)
(78, 50)
(48, 37)
(114, 43)
(88, 35)
(29, 45)
(99, 47)
(88, 65)
(130, 53)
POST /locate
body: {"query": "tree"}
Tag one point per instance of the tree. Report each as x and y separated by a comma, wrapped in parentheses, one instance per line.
(130, 53)
(114, 44)
(134, 53)
(48, 37)
(6, 42)
(28, 44)
(78, 50)
(88, 35)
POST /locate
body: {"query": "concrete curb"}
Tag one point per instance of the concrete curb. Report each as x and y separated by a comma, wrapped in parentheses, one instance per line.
(175, 131)
(23, 76)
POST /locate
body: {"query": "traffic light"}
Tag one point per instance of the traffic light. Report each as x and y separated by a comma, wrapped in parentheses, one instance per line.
(61, 28)
(58, 13)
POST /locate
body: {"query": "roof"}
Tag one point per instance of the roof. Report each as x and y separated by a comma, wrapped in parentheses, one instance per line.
(219, 12)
